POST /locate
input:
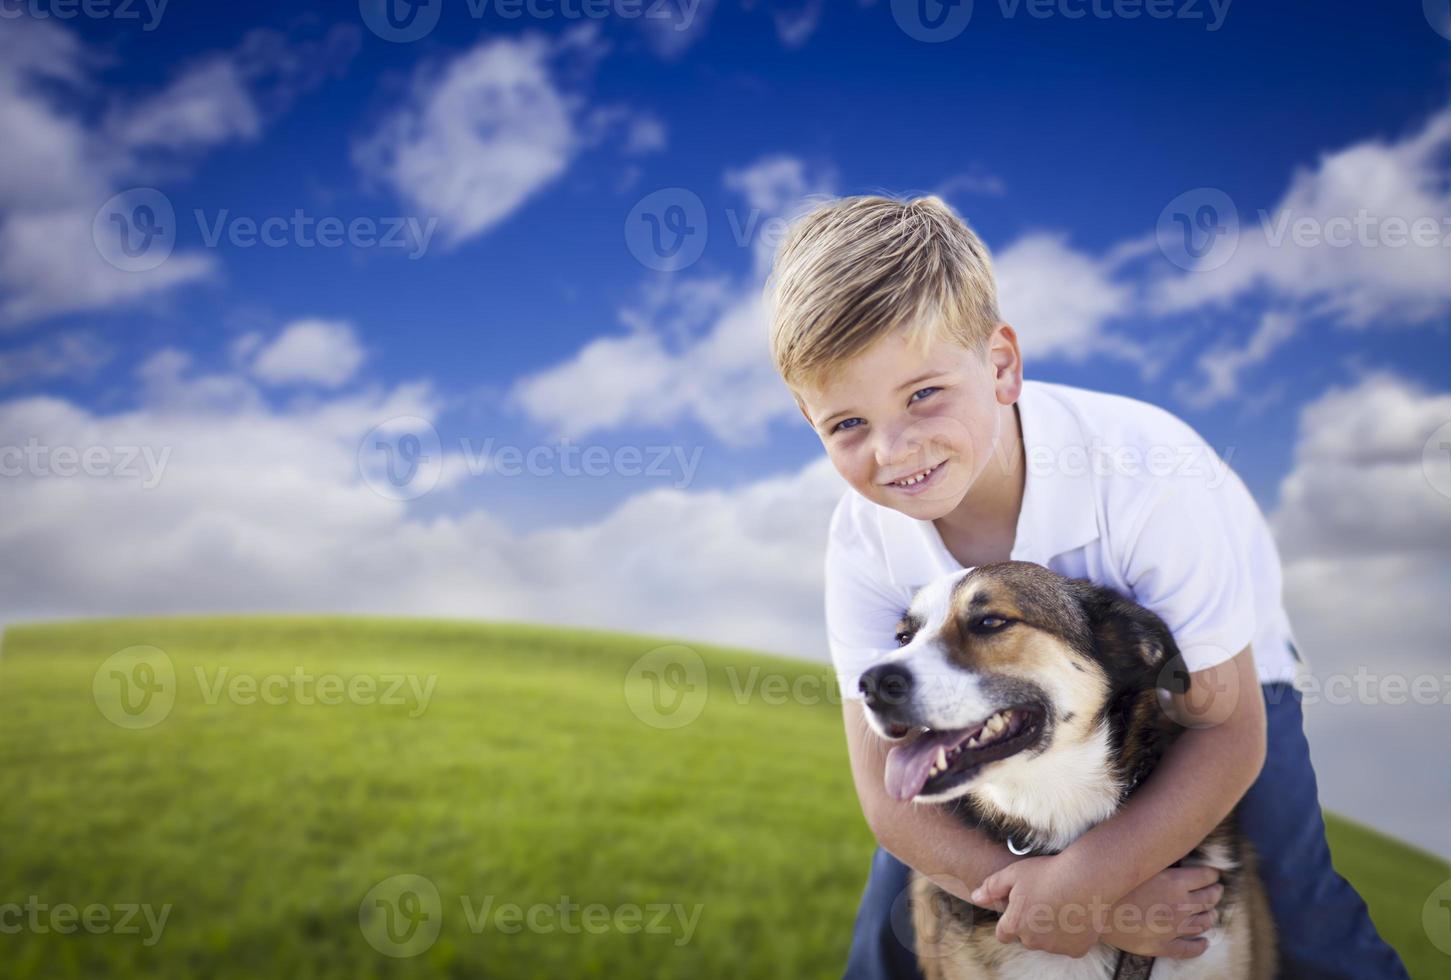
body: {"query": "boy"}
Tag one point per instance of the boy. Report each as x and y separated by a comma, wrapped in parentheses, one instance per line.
(885, 326)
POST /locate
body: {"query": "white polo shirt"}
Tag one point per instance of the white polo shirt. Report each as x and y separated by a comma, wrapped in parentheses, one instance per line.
(1117, 491)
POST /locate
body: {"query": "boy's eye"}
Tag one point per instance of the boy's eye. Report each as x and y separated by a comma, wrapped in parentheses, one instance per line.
(845, 424)
(924, 391)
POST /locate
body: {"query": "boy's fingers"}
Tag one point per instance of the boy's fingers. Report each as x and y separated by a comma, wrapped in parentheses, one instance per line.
(1195, 877)
(1183, 949)
(1007, 929)
(1205, 899)
(994, 887)
(1196, 924)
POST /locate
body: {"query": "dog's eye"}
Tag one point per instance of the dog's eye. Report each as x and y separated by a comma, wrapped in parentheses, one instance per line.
(903, 638)
(989, 624)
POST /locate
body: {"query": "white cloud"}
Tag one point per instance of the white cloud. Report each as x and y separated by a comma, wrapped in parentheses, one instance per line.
(263, 509)
(71, 356)
(1059, 300)
(46, 160)
(795, 22)
(478, 138)
(1222, 365)
(57, 169)
(988, 185)
(698, 347)
(50, 263)
(206, 105)
(646, 135)
(1364, 535)
(671, 29)
(1357, 197)
(321, 352)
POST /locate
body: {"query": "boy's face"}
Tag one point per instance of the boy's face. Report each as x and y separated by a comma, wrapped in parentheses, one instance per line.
(890, 414)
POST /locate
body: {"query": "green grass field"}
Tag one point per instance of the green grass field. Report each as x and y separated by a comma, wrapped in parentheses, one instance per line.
(530, 766)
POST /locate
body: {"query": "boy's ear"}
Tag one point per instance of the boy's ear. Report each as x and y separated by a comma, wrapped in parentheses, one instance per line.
(1007, 361)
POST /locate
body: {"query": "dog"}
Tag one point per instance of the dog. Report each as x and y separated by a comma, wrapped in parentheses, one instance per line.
(1028, 704)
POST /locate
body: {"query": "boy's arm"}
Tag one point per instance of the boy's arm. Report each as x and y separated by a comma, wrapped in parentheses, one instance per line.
(1198, 782)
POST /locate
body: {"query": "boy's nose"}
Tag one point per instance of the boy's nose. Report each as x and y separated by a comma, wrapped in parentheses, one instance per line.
(895, 447)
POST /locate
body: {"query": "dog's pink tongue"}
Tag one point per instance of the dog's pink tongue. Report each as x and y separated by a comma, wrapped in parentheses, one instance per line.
(908, 765)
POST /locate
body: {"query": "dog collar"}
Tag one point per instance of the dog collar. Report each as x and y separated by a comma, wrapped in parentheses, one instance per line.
(1025, 851)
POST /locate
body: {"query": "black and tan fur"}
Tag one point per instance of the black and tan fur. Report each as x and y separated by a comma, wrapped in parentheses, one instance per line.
(1090, 661)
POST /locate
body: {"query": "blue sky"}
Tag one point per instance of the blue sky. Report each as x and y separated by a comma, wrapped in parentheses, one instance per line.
(530, 309)
(1087, 128)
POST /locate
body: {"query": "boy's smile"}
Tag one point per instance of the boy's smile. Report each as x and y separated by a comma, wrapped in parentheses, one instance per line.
(915, 429)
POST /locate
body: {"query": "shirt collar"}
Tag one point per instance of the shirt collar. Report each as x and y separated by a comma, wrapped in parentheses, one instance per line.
(1059, 512)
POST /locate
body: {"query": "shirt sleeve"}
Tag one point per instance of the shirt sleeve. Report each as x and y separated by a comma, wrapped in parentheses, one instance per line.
(862, 607)
(1186, 562)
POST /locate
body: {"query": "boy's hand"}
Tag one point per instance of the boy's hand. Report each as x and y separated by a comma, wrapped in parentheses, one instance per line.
(1047, 903)
(1167, 915)
(1050, 904)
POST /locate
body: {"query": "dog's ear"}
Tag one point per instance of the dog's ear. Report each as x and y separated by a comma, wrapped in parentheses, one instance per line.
(1132, 638)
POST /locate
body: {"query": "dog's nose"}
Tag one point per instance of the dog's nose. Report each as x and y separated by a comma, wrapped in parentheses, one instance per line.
(886, 686)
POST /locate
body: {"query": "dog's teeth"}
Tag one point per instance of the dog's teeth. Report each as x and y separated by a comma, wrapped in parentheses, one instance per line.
(941, 757)
(972, 742)
(995, 724)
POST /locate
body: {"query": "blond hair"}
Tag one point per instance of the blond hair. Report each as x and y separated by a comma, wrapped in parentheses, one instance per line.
(857, 268)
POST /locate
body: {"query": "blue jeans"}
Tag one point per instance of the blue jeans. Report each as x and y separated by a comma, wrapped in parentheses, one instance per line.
(1323, 928)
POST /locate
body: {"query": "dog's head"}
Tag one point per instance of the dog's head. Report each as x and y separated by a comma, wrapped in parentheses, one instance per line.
(1002, 665)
